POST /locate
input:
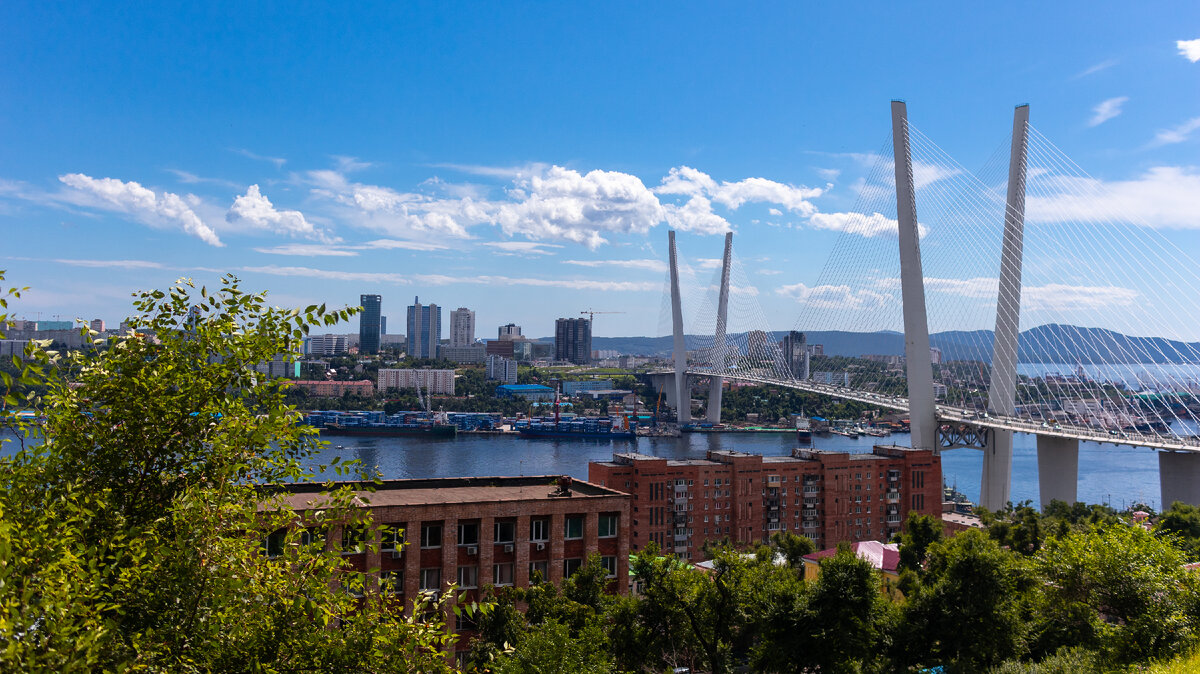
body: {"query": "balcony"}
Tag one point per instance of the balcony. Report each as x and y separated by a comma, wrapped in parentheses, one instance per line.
(893, 519)
(809, 513)
(893, 497)
(809, 525)
(811, 501)
(680, 538)
(812, 490)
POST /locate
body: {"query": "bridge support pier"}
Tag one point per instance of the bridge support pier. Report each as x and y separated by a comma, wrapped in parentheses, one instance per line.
(715, 388)
(1058, 469)
(996, 480)
(1179, 477)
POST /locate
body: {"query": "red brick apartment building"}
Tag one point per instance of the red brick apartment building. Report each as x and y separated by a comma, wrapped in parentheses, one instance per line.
(826, 496)
(478, 531)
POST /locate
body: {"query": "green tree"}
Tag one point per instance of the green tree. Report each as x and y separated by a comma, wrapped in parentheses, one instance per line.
(920, 532)
(969, 608)
(131, 536)
(1118, 589)
(1182, 522)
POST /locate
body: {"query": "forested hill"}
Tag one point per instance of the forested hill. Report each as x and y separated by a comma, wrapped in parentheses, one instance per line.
(1042, 344)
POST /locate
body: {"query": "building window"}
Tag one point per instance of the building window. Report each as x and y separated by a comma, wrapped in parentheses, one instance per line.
(506, 532)
(539, 530)
(391, 538)
(468, 533)
(391, 582)
(538, 572)
(570, 566)
(610, 566)
(431, 536)
(573, 527)
(468, 576)
(502, 574)
(431, 579)
(353, 540)
(608, 526)
(275, 542)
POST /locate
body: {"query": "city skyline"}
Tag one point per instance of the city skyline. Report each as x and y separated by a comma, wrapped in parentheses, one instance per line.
(132, 166)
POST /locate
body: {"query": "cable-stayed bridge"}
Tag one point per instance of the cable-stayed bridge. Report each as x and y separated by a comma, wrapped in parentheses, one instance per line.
(1031, 241)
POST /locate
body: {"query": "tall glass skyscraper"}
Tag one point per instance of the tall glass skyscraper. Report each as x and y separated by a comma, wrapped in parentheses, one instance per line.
(424, 329)
(368, 323)
(573, 340)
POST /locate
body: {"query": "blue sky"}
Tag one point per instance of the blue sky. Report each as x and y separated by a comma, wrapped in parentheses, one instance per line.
(526, 160)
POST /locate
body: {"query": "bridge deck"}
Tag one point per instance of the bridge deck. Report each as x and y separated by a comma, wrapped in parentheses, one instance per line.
(951, 414)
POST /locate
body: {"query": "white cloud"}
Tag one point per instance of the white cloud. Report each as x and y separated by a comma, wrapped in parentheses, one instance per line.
(875, 224)
(649, 265)
(523, 247)
(696, 215)
(405, 215)
(161, 209)
(835, 297)
(687, 181)
(1164, 196)
(335, 250)
(1103, 65)
(565, 205)
(277, 161)
(1057, 297)
(441, 280)
(1106, 110)
(1176, 135)
(1189, 49)
(829, 174)
(111, 264)
(308, 250)
(188, 178)
(257, 211)
(775, 211)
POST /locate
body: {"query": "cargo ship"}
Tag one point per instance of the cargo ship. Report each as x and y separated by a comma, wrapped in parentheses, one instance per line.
(590, 428)
(379, 425)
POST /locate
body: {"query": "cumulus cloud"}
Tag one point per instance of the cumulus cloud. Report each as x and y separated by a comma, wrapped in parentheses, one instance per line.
(775, 211)
(696, 215)
(563, 204)
(835, 297)
(1189, 49)
(687, 181)
(1164, 196)
(1176, 135)
(157, 209)
(255, 210)
(1106, 110)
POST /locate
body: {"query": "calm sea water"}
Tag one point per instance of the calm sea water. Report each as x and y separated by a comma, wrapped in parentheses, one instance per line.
(1115, 475)
(1118, 476)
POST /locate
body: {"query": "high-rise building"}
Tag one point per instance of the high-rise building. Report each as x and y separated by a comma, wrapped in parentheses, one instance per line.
(462, 327)
(383, 325)
(510, 331)
(368, 323)
(424, 329)
(98, 326)
(795, 353)
(502, 369)
(573, 340)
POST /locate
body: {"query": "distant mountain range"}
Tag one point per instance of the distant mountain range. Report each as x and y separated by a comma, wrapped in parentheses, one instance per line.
(1051, 343)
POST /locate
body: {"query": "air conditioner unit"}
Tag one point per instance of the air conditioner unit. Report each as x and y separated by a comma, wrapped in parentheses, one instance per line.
(508, 548)
(472, 550)
(541, 546)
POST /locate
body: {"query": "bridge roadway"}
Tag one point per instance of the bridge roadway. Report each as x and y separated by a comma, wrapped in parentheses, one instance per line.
(948, 414)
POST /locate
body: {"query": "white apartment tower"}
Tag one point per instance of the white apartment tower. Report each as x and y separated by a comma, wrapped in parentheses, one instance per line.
(462, 327)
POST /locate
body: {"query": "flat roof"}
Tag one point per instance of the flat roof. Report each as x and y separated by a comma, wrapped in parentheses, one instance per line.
(450, 490)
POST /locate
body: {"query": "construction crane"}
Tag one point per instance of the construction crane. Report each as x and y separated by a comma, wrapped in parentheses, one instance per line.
(591, 313)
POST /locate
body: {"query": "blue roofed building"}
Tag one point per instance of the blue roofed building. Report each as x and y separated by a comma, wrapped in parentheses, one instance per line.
(526, 391)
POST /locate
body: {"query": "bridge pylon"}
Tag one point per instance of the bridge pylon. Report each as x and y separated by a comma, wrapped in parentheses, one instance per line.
(683, 397)
(922, 413)
(713, 414)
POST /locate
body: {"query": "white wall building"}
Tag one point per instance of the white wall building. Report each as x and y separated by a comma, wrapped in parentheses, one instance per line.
(502, 369)
(462, 327)
(433, 381)
(327, 345)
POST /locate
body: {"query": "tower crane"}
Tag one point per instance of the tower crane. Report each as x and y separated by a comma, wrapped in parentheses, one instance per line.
(591, 314)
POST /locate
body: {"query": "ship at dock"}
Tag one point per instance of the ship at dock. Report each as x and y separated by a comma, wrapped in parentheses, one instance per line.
(379, 424)
(579, 428)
